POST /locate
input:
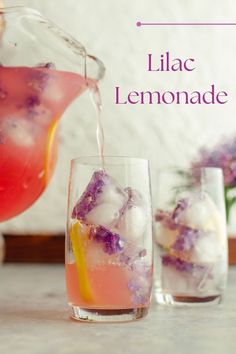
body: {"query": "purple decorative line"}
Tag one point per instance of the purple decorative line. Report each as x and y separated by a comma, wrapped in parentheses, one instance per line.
(139, 24)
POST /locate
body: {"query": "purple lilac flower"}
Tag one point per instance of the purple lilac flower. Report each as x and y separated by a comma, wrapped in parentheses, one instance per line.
(222, 156)
(112, 242)
(186, 239)
(139, 296)
(31, 102)
(166, 219)
(180, 265)
(129, 259)
(140, 285)
(88, 199)
(38, 80)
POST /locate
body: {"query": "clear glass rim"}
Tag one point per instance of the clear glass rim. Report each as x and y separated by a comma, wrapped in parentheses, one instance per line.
(22, 8)
(109, 160)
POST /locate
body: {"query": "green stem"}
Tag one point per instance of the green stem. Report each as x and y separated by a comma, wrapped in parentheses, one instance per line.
(227, 207)
(229, 201)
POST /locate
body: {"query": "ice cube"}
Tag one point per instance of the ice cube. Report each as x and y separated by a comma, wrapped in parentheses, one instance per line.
(202, 214)
(41, 115)
(140, 284)
(132, 256)
(135, 197)
(183, 278)
(102, 201)
(133, 220)
(207, 248)
(3, 93)
(173, 281)
(219, 273)
(38, 80)
(186, 239)
(104, 214)
(112, 194)
(95, 254)
(20, 131)
(52, 90)
(53, 93)
(166, 229)
(198, 212)
(36, 110)
(165, 236)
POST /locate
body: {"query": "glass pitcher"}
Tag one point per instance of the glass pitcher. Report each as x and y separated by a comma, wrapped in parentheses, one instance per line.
(42, 70)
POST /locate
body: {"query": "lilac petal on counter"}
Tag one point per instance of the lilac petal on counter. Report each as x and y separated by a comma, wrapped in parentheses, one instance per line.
(88, 199)
(112, 242)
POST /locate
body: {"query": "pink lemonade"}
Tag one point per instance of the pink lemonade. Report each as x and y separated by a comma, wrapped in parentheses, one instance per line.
(116, 295)
(32, 101)
(97, 280)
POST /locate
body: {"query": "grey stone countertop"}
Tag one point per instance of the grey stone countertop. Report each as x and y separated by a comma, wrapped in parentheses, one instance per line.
(34, 320)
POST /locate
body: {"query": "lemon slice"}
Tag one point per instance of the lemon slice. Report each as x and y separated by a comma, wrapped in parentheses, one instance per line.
(77, 236)
(51, 151)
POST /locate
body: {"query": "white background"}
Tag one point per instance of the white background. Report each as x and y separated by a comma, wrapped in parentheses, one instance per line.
(166, 135)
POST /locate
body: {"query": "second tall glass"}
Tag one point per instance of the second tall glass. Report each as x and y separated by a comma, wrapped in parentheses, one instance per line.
(191, 237)
(109, 239)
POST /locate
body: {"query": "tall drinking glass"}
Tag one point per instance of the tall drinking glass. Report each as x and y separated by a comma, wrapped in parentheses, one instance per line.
(190, 233)
(109, 239)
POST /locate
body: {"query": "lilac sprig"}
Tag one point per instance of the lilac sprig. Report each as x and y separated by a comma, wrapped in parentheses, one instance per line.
(222, 156)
